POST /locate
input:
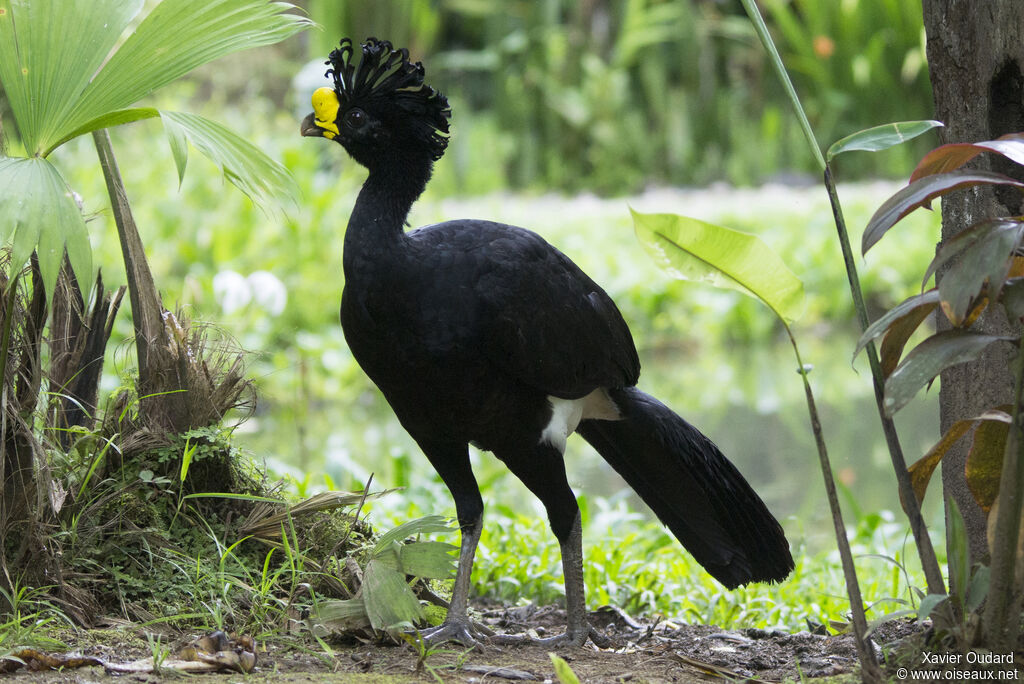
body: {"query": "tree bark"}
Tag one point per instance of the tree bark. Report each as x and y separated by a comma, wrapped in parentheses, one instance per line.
(976, 60)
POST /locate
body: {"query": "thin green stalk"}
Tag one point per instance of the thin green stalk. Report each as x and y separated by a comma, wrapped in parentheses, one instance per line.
(1002, 610)
(929, 563)
(780, 71)
(870, 671)
(911, 506)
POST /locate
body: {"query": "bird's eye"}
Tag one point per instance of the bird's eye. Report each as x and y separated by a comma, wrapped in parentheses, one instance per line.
(355, 118)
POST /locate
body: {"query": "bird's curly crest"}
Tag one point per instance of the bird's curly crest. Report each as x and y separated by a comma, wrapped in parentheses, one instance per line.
(385, 77)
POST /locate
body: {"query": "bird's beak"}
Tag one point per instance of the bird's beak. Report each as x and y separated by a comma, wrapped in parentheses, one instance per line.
(309, 129)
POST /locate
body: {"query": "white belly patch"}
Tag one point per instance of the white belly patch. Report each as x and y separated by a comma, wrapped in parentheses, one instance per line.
(566, 415)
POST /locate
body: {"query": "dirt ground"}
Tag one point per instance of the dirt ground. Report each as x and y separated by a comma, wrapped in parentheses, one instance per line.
(643, 651)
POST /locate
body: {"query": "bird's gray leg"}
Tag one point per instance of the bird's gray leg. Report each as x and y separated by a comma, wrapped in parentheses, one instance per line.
(452, 464)
(457, 626)
(542, 470)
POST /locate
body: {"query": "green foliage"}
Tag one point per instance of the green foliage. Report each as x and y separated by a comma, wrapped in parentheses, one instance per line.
(635, 564)
(61, 82)
(384, 601)
(981, 267)
(690, 249)
(611, 96)
(880, 138)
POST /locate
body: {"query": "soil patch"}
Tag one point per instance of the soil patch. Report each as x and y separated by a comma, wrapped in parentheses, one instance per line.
(643, 651)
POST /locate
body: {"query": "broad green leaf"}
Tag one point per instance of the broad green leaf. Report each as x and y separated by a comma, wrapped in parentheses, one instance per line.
(38, 209)
(926, 301)
(928, 359)
(342, 615)
(984, 467)
(979, 255)
(49, 49)
(389, 601)
(690, 249)
(176, 37)
(949, 157)
(881, 137)
(430, 559)
(430, 524)
(262, 179)
(920, 193)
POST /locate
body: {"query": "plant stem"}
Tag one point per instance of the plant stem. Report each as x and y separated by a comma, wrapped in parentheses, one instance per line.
(146, 306)
(870, 671)
(929, 563)
(911, 506)
(780, 70)
(1002, 609)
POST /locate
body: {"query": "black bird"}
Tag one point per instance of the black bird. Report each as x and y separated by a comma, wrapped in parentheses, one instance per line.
(483, 333)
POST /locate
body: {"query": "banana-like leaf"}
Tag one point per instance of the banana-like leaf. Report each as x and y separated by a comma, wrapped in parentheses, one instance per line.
(342, 615)
(38, 209)
(262, 179)
(920, 193)
(928, 359)
(49, 49)
(881, 137)
(176, 37)
(389, 601)
(430, 524)
(690, 249)
(947, 158)
(428, 559)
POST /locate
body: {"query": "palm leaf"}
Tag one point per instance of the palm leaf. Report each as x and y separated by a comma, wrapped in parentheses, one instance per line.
(49, 49)
(34, 201)
(176, 37)
(244, 164)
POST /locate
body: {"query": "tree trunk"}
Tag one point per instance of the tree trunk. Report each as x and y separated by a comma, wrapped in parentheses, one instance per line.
(976, 59)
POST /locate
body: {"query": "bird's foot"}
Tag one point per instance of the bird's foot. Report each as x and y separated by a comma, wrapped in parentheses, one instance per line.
(570, 639)
(460, 630)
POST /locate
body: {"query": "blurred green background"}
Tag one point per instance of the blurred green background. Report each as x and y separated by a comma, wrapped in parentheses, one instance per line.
(565, 114)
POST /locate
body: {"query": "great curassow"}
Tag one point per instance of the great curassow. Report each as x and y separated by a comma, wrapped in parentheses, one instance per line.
(483, 333)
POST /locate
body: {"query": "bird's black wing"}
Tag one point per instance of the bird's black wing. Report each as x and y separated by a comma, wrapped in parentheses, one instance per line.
(544, 321)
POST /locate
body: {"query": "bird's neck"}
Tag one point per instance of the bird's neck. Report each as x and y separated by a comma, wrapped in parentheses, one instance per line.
(376, 227)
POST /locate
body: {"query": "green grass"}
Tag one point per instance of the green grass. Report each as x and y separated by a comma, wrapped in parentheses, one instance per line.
(634, 563)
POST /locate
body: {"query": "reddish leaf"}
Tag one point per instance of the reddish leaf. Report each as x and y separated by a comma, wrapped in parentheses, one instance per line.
(899, 332)
(949, 157)
(920, 193)
(892, 317)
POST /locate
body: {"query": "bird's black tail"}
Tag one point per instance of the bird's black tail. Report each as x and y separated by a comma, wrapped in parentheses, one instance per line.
(693, 488)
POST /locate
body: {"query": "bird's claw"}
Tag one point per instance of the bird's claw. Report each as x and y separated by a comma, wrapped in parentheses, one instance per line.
(570, 639)
(461, 631)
